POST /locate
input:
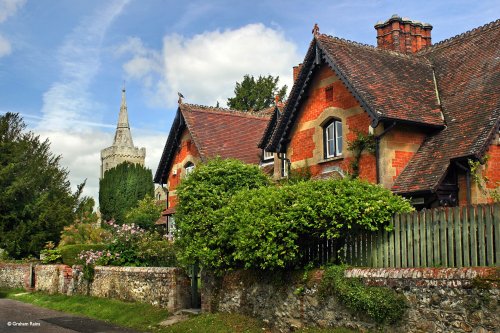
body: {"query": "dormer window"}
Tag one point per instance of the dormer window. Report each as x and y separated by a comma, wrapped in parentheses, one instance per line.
(332, 135)
(189, 167)
(267, 156)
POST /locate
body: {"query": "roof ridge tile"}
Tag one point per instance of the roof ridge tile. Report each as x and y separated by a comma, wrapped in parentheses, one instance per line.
(451, 40)
(371, 47)
(220, 110)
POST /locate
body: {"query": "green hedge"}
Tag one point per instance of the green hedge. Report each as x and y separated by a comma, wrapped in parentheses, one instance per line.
(70, 252)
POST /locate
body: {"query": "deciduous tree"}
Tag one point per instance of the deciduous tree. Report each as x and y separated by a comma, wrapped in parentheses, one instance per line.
(255, 95)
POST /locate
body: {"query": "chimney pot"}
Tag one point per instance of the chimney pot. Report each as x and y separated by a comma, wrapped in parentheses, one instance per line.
(403, 34)
(296, 72)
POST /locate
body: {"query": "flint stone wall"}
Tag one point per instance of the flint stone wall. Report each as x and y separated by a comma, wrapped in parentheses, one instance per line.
(15, 275)
(439, 300)
(166, 287)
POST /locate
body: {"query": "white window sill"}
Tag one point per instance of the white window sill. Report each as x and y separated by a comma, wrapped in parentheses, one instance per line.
(329, 159)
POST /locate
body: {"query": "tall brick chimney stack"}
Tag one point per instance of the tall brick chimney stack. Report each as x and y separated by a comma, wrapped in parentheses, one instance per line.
(296, 71)
(403, 35)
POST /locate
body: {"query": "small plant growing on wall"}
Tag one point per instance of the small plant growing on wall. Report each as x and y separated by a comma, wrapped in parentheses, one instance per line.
(363, 141)
(482, 180)
(382, 305)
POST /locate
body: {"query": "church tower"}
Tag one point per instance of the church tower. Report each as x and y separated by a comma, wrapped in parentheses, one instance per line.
(123, 149)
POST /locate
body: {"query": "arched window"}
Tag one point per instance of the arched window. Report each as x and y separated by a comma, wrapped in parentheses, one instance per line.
(332, 136)
(189, 167)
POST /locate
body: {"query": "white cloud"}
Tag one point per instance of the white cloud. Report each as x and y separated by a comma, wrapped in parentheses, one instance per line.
(68, 100)
(206, 67)
(9, 8)
(81, 153)
(69, 115)
(5, 47)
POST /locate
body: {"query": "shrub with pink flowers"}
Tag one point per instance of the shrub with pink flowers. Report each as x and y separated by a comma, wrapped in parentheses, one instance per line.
(130, 246)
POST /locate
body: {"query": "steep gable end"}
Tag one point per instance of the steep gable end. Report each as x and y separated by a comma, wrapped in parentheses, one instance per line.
(389, 86)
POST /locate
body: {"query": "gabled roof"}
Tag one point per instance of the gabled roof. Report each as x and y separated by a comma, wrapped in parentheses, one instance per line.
(467, 71)
(462, 73)
(388, 85)
(216, 132)
(271, 125)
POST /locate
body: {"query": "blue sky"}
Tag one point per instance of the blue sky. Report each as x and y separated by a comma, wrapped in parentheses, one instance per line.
(63, 63)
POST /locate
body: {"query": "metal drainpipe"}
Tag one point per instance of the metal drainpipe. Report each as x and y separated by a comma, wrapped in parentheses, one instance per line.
(467, 181)
(377, 149)
(280, 157)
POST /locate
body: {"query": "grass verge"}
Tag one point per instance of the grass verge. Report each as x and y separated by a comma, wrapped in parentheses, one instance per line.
(142, 317)
(146, 318)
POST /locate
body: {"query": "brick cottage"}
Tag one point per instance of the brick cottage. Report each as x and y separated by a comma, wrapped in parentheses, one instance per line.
(430, 108)
(199, 133)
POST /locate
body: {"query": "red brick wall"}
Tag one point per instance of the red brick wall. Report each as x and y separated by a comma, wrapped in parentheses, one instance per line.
(397, 148)
(400, 160)
(306, 144)
(303, 145)
(186, 152)
(493, 166)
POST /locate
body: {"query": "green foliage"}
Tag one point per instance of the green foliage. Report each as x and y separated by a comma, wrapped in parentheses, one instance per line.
(132, 246)
(84, 233)
(201, 195)
(121, 188)
(49, 255)
(357, 146)
(265, 226)
(145, 213)
(484, 183)
(255, 95)
(69, 253)
(35, 196)
(383, 305)
(157, 253)
(298, 175)
(4, 255)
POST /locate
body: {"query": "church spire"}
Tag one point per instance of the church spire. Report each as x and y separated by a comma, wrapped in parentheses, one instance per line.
(123, 137)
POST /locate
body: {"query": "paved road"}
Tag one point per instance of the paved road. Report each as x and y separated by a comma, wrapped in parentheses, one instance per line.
(18, 317)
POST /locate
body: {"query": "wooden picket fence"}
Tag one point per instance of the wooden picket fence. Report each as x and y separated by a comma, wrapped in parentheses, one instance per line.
(442, 237)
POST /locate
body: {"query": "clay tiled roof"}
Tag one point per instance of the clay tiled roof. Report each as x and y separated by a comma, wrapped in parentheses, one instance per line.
(225, 133)
(216, 132)
(387, 84)
(392, 85)
(468, 76)
(462, 73)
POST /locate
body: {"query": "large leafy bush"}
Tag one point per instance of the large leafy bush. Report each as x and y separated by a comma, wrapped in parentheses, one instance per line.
(201, 195)
(269, 223)
(227, 218)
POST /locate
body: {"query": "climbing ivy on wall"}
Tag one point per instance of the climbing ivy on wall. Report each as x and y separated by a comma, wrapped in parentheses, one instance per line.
(363, 141)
